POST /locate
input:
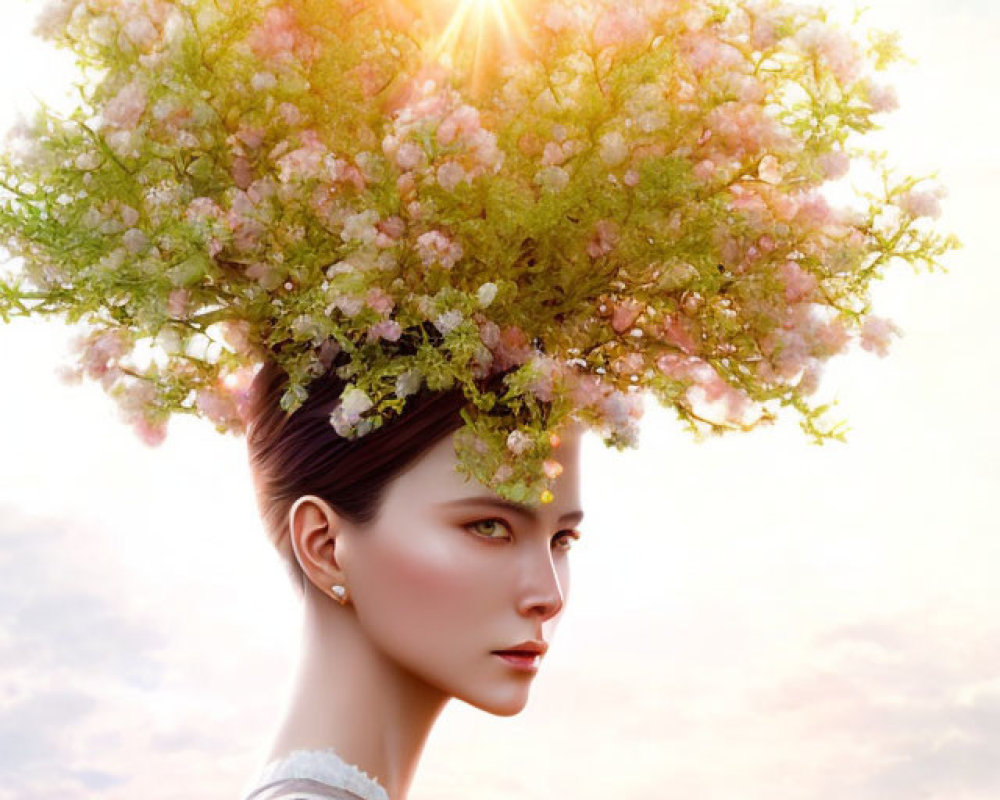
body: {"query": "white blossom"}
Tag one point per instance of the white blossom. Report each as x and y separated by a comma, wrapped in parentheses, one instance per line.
(486, 294)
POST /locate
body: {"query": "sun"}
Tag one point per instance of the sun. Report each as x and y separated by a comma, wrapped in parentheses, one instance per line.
(477, 35)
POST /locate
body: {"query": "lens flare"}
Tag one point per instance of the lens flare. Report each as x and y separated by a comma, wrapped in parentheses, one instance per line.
(477, 37)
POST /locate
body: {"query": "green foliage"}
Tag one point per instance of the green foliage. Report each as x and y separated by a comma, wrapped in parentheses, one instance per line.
(633, 206)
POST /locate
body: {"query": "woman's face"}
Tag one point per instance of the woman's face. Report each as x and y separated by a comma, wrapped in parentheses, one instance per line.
(444, 577)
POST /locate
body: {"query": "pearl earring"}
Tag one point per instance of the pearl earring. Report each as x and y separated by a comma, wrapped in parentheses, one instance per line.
(340, 592)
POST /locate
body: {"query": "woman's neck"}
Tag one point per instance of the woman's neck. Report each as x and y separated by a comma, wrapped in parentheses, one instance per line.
(350, 697)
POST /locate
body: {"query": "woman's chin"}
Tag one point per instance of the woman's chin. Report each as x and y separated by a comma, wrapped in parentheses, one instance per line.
(502, 703)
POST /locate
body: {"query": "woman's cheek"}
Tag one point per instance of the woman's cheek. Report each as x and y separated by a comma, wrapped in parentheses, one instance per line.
(420, 588)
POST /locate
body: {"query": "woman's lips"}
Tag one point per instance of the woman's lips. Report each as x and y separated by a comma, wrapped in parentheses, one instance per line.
(520, 660)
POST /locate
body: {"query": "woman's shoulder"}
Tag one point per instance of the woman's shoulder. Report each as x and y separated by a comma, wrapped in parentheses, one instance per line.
(314, 774)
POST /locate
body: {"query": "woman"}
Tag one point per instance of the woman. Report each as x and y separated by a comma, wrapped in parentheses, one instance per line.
(413, 581)
(630, 204)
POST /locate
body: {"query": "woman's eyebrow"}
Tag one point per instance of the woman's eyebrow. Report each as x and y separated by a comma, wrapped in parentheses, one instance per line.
(525, 511)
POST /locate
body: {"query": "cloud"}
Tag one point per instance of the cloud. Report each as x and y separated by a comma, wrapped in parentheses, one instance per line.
(906, 706)
(55, 619)
(70, 650)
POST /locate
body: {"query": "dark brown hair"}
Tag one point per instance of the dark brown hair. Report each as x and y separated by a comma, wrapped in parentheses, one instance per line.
(300, 453)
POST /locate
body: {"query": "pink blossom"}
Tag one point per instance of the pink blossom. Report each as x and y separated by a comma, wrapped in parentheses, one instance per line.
(604, 238)
(881, 97)
(354, 176)
(798, 283)
(449, 175)
(236, 334)
(177, 304)
(673, 330)
(251, 137)
(369, 76)
(434, 246)
(136, 397)
(502, 473)
(622, 410)
(410, 156)
(54, 17)
(151, 433)
(278, 37)
(704, 169)
(764, 33)
(304, 162)
(625, 314)
(675, 365)
(705, 52)
(141, 31)
(553, 154)
(552, 468)
(920, 204)
(385, 329)
(791, 352)
(489, 332)
(327, 352)
(513, 348)
(463, 121)
(559, 17)
(379, 300)
(631, 178)
(830, 337)
(585, 390)
(129, 216)
(741, 129)
(349, 304)
(127, 107)
(621, 25)
(833, 46)
(242, 172)
(813, 209)
(629, 364)
(714, 389)
(69, 375)
(809, 382)
(99, 351)
(876, 333)
(835, 164)
(247, 231)
(545, 369)
(202, 209)
(393, 227)
(134, 240)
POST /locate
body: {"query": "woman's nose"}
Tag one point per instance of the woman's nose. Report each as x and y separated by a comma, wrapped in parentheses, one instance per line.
(542, 593)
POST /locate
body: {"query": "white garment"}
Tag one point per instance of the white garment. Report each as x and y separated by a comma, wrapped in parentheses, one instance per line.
(324, 766)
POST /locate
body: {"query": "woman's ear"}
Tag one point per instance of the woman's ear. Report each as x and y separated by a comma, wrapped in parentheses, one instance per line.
(313, 527)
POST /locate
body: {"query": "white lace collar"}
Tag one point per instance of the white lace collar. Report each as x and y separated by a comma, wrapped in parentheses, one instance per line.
(325, 766)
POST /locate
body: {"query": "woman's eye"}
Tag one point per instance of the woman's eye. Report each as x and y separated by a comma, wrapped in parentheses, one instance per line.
(489, 528)
(494, 528)
(565, 541)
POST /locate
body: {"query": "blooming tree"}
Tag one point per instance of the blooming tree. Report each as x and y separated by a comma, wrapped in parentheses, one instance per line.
(630, 202)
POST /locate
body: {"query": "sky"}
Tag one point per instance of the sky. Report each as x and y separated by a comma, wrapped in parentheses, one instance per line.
(751, 616)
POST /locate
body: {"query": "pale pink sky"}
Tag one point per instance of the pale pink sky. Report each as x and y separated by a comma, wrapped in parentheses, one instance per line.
(751, 617)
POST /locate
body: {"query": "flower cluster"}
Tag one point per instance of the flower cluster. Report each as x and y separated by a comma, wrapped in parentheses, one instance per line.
(631, 201)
